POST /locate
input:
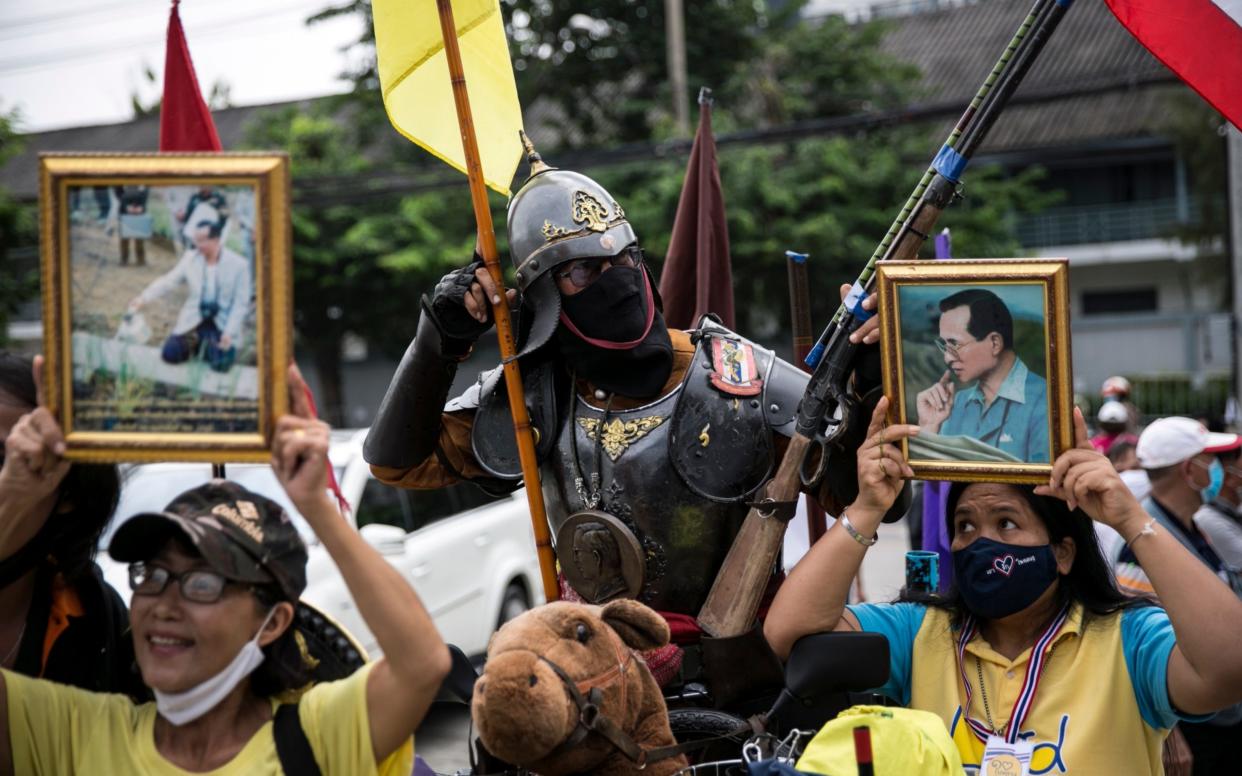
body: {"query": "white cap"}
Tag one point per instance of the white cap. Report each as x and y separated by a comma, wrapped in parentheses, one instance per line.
(1168, 441)
(1113, 412)
(1114, 386)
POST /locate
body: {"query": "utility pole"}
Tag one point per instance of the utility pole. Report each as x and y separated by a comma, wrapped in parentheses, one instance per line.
(675, 39)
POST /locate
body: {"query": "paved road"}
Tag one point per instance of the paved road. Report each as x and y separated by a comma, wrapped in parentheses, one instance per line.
(441, 740)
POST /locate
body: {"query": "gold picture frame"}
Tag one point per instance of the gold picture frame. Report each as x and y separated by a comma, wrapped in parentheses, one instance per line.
(182, 353)
(974, 389)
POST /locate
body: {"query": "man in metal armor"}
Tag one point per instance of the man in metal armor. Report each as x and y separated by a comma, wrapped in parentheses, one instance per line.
(650, 441)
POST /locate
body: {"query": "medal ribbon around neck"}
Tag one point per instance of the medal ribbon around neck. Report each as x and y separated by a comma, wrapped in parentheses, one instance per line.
(1034, 670)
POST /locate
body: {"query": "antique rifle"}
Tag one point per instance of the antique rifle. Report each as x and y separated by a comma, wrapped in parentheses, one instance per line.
(828, 406)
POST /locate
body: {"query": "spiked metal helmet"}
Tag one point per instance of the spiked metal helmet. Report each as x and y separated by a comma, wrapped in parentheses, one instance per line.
(558, 216)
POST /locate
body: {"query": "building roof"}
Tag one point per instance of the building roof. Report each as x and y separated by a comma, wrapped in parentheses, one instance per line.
(21, 174)
(1092, 82)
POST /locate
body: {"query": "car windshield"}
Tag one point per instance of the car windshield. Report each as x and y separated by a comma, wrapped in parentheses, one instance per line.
(150, 488)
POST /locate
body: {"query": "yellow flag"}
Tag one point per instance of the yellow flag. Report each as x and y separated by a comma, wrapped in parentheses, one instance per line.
(418, 96)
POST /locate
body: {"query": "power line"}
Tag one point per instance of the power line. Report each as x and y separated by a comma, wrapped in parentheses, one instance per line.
(36, 21)
(326, 190)
(24, 63)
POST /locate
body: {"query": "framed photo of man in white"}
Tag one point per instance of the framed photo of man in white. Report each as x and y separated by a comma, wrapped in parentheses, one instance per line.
(976, 353)
(167, 310)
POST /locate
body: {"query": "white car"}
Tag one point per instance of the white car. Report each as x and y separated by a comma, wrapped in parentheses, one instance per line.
(470, 556)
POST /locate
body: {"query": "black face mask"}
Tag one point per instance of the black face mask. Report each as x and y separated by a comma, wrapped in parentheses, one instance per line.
(998, 579)
(612, 335)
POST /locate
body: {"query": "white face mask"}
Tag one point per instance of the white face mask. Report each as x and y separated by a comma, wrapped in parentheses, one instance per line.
(183, 707)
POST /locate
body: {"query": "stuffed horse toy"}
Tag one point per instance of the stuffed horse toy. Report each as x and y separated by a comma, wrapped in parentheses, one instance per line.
(564, 691)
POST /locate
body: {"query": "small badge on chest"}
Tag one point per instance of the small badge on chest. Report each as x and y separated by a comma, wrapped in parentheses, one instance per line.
(1004, 759)
(733, 368)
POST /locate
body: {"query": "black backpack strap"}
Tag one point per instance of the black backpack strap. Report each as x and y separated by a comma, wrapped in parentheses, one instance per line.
(292, 746)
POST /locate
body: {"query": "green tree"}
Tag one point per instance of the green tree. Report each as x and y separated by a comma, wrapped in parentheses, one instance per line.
(833, 196)
(603, 63)
(360, 264)
(18, 281)
(817, 69)
(339, 285)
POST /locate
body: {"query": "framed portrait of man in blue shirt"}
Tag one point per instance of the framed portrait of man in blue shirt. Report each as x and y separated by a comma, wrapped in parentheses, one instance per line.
(977, 354)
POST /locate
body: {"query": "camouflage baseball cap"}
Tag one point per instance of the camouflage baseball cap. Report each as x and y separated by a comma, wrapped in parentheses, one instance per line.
(243, 536)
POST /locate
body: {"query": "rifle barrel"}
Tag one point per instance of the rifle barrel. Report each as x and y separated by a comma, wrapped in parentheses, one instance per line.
(734, 599)
(951, 160)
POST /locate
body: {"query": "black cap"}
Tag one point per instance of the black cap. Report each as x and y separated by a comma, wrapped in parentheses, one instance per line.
(243, 536)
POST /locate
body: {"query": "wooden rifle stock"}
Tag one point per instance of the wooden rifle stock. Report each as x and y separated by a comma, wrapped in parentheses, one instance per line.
(738, 590)
(733, 602)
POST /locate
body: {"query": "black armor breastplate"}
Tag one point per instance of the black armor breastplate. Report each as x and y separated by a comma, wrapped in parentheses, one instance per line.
(676, 473)
(683, 537)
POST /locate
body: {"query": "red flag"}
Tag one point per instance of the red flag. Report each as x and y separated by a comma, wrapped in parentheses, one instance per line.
(1200, 40)
(185, 121)
(697, 278)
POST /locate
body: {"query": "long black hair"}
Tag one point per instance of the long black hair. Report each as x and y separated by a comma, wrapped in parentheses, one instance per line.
(87, 496)
(1090, 579)
(284, 667)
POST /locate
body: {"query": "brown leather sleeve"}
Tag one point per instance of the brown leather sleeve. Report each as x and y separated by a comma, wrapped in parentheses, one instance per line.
(453, 460)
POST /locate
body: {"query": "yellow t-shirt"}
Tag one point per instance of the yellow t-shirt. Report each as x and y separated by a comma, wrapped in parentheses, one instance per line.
(1101, 706)
(59, 730)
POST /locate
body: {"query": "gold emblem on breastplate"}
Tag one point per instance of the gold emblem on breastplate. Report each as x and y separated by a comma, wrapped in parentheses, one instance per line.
(617, 435)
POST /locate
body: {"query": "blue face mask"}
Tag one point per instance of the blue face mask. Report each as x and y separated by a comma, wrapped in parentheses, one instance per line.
(1217, 474)
(998, 579)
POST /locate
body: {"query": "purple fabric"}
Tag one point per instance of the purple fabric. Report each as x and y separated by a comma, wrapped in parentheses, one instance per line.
(935, 529)
(944, 244)
(421, 768)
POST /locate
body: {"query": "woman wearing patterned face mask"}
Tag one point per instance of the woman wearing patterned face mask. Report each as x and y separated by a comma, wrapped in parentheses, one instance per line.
(1036, 659)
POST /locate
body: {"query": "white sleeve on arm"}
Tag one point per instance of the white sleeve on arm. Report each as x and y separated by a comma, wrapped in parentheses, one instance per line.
(1224, 533)
(1132, 579)
(164, 283)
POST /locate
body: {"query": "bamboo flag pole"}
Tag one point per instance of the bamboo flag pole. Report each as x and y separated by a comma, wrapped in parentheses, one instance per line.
(500, 310)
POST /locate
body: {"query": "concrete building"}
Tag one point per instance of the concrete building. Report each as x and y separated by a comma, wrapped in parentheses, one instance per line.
(1100, 114)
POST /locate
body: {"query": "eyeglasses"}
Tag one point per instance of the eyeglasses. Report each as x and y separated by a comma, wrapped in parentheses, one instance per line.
(952, 347)
(584, 272)
(197, 585)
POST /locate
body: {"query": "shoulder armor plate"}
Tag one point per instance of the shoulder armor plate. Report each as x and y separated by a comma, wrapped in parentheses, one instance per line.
(491, 437)
(720, 441)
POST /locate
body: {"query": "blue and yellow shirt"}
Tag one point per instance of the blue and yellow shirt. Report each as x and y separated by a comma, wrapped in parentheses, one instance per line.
(1016, 421)
(1101, 706)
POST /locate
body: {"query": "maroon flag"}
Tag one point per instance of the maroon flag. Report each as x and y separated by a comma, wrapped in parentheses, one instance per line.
(1200, 40)
(185, 121)
(697, 278)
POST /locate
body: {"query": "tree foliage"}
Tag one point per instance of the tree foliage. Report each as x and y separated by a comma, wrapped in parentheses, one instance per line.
(339, 286)
(834, 198)
(19, 281)
(597, 71)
